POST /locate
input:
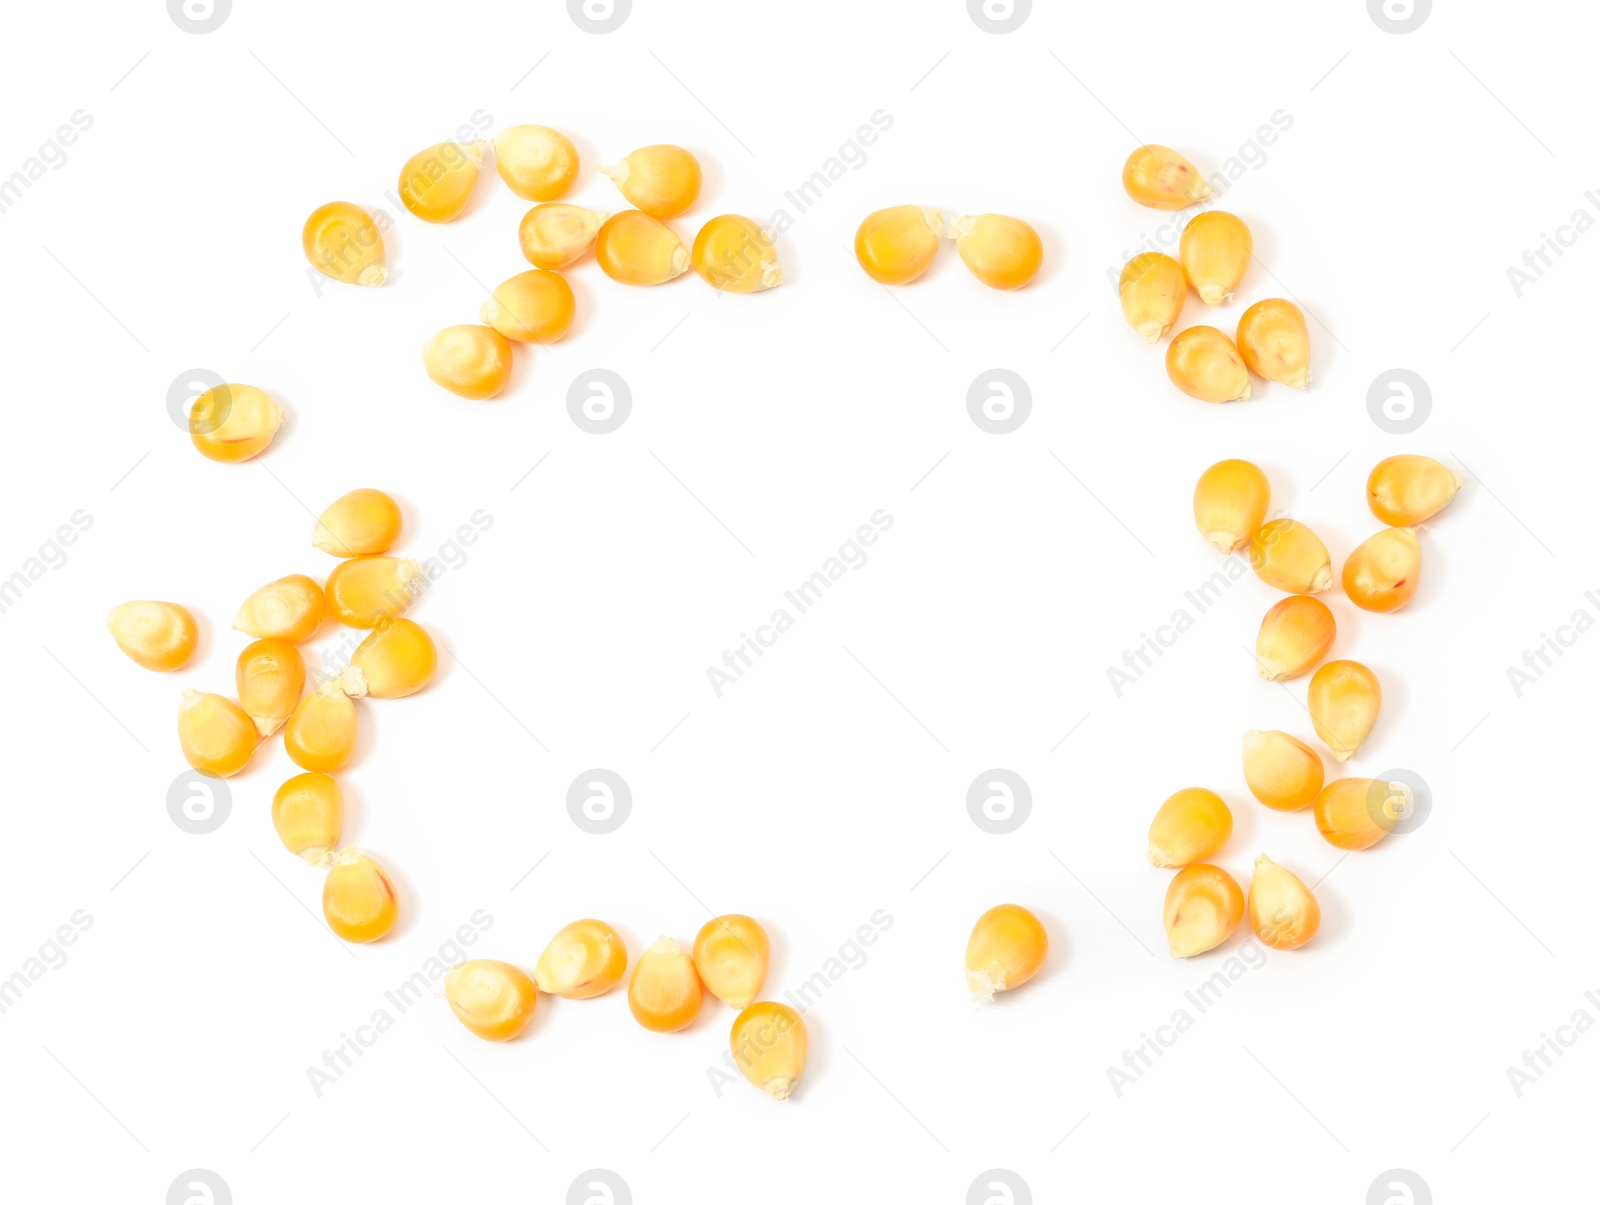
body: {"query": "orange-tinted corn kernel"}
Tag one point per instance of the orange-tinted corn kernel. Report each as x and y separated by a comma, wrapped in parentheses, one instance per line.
(532, 307)
(634, 248)
(291, 608)
(664, 993)
(1357, 813)
(536, 162)
(269, 676)
(398, 659)
(662, 180)
(230, 423)
(1296, 633)
(216, 735)
(1275, 343)
(1382, 573)
(1192, 824)
(730, 956)
(495, 1000)
(1282, 772)
(1283, 912)
(1289, 556)
(1203, 907)
(1343, 698)
(1153, 291)
(157, 635)
(364, 522)
(1002, 252)
(585, 959)
(343, 242)
(437, 183)
(1161, 178)
(470, 361)
(734, 254)
(1204, 363)
(308, 812)
(1214, 250)
(895, 246)
(554, 235)
(358, 900)
(1230, 500)
(1006, 949)
(365, 591)
(321, 732)
(768, 1041)
(1404, 490)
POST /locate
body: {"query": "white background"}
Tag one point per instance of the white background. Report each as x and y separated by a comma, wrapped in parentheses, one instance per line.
(827, 783)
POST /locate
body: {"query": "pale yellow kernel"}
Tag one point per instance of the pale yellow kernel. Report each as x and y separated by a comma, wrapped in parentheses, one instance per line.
(661, 180)
(215, 734)
(1296, 633)
(768, 1041)
(536, 162)
(1383, 571)
(364, 522)
(1204, 363)
(437, 183)
(1203, 907)
(230, 423)
(586, 959)
(157, 635)
(321, 732)
(1289, 556)
(1357, 813)
(554, 235)
(1007, 947)
(1161, 178)
(1275, 343)
(342, 241)
(1344, 698)
(1282, 772)
(634, 248)
(1002, 252)
(895, 246)
(531, 307)
(494, 1000)
(730, 956)
(664, 993)
(269, 676)
(1405, 490)
(396, 660)
(470, 361)
(1192, 824)
(1283, 912)
(358, 900)
(365, 591)
(1214, 250)
(308, 814)
(1152, 289)
(1230, 501)
(735, 255)
(291, 608)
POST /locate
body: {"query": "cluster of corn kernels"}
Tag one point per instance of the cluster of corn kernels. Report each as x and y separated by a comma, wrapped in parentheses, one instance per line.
(894, 246)
(366, 590)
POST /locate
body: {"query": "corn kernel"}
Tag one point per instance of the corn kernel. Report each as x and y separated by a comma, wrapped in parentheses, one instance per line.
(634, 248)
(1404, 490)
(1357, 813)
(532, 307)
(364, 522)
(470, 361)
(1007, 947)
(1283, 912)
(584, 960)
(1343, 698)
(1204, 363)
(662, 180)
(157, 635)
(768, 1041)
(1192, 824)
(734, 254)
(554, 235)
(1230, 500)
(495, 1000)
(358, 900)
(1153, 290)
(1214, 250)
(398, 659)
(366, 590)
(216, 735)
(1282, 772)
(1203, 907)
(730, 956)
(1002, 252)
(1382, 573)
(1289, 556)
(291, 608)
(1275, 343)
(664, 993)
(343, 242)
(308, 813)
(1296, 633)
(536, 162)
(269, 676)
(1161, 178)
(230, 423)
(321, 732)
(437, 183)
(895, 246)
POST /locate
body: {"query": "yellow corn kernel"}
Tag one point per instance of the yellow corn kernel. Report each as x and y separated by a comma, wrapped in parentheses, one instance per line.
(1296, 633)
(495, 1000)
(342, 241)
(1404, 490)
(634, 248)
(1153, 291)
(158, 635)
(662, 180)
(895, 246)
(1283, 912)
(554, 235)
(1203, 907)
(216, 735)
(768, 1041)
(1161, 178)
(1204, 363)
(437, 183)
(664, 993)
(1002, 252)
(291, 608)
(734, 254)
(1006, 949)
(1214, 250)
(398, 659)
(308, 812)
(1275, 343)
(1192, 824)
(584, 960)
(536, 162)
(1282, 772)
(321, 732)
(230, 423)
(1230, 500)
(1289, 556)
(470, 361)
(1382, 573)
(363, 522)
(1343, 698)
(532, 307)
(1357, 813)
(358, 900)
(366, 590)
(269, 675)
(730, 956)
